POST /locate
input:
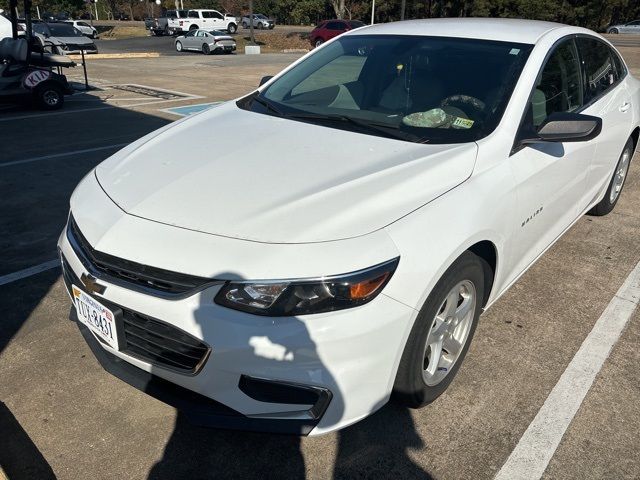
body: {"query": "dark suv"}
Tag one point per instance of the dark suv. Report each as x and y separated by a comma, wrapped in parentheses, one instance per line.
(331, 28)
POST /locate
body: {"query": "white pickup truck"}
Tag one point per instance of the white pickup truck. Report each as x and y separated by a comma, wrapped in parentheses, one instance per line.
(204, 19)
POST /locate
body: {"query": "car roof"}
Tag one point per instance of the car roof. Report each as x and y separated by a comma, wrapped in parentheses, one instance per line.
(498, 29)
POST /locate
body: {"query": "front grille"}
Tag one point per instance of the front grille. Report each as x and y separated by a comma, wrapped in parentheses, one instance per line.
(162, 344)
(149, 339)
(151, 280)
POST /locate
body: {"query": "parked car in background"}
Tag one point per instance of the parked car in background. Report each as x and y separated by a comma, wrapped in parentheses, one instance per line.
(64, 37)
(84, 28)
(55, 17)
(331, 28)
(168, 24)
(415, 171)
(206, 41)
(204, 19)
(5, 27)
(631, 27)
(259, 21)
(121, 16)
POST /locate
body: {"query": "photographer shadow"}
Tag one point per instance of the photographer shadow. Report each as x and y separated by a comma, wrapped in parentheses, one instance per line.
(375, 447)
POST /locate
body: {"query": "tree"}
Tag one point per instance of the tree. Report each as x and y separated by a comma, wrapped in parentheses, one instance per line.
(338, 7)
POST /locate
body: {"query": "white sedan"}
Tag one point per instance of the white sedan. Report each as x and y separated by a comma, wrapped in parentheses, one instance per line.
(205, 41)
(412, 172)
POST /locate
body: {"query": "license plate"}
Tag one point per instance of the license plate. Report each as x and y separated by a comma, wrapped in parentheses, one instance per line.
(96, 316)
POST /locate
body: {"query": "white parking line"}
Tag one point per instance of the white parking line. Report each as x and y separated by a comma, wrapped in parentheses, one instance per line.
(51, 114)
(27, 272)
(534, 451)
(63, 154)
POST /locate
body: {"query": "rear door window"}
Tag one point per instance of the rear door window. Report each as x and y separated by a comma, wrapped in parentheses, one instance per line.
(335, 26)
(598, 67)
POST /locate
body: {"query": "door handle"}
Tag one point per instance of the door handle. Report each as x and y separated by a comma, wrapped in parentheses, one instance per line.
(625, 106)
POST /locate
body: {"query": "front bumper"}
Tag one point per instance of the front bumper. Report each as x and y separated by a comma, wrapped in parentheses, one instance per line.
(323, 371)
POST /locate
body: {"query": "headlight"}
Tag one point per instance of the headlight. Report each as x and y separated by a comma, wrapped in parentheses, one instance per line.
(306, 296)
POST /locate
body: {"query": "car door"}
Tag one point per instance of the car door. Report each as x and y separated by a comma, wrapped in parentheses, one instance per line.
(199, 39)
(607, 97)
(550, 177)
(190, 39)
(333, 29)
(633, 27)
(217, 20)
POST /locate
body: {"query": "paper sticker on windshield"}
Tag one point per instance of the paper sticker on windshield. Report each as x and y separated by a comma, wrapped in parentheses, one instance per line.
(462, 122)
(514, 51)
(36, 77)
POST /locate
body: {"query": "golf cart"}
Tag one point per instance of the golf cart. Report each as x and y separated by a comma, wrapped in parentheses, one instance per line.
(28, 70)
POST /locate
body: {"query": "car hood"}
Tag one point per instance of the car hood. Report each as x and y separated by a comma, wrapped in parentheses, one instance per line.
(245, 175)
(73, 40)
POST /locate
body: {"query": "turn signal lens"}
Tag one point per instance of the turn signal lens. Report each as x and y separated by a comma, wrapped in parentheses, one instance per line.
(307, 296)
(368, 287)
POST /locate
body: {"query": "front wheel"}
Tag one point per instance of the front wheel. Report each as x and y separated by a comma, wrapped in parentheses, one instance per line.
(319, 42)
(178, 46)
(614, 31)
(49, 96)
(442, 332)
(244, 25)
(232, 28)
(260, 26)
(617, 182)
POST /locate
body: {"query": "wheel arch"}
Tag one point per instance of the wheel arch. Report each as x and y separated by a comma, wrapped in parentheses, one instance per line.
(634, 135)
(486, 250)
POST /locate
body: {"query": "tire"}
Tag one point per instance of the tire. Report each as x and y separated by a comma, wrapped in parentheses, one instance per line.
(614, 31)
(616, 184)
(193, 27)
(318, 42)
(232, 28)
(49, 96)
(245, 25)
(419, 383)
(260, 26)
(205, 49)
(178, 46)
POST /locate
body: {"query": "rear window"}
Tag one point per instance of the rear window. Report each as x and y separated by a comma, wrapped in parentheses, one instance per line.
(356, 24)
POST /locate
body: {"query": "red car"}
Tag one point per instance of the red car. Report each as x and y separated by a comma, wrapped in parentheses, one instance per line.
(328, 29)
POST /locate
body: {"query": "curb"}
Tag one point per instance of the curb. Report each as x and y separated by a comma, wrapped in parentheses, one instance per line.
(104, 56)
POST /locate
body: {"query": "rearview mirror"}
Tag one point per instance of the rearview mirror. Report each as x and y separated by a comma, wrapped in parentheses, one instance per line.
(265, 79)
(566, 127)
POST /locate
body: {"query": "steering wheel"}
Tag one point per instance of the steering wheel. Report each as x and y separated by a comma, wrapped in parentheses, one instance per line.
(464, 102)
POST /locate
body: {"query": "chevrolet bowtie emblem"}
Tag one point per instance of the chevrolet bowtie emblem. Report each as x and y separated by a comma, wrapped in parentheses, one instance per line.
(91, 285)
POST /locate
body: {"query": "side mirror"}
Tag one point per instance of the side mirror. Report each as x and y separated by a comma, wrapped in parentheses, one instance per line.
(563, 127)
(265, 79)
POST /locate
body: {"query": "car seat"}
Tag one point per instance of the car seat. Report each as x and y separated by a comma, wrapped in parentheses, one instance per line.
(415, 86)
(13, 50)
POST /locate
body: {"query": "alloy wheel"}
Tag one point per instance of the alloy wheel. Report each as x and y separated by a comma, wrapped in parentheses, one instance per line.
(620, 175)
(51, 97)
(449, 332)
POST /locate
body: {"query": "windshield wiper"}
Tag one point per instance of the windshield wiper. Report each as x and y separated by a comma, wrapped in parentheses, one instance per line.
(266, 103)
(391, 131)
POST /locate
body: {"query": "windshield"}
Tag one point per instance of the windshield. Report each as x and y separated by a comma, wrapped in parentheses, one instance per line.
(40, 28)
(414, 88)
(63, 30)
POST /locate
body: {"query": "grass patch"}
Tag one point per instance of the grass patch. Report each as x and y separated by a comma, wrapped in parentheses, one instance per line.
(273, 42)
(112, 32)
